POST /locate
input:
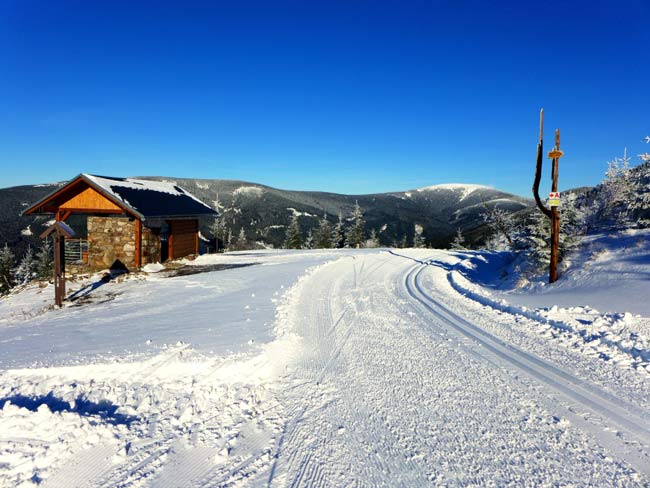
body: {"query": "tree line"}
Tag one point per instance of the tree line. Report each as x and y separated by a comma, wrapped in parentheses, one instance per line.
(341, 233)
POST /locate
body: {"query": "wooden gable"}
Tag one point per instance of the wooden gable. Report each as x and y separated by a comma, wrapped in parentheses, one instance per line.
(78, 196)
(90, 200)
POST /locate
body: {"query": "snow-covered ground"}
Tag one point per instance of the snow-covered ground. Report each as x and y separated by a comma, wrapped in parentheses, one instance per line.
(331, 368)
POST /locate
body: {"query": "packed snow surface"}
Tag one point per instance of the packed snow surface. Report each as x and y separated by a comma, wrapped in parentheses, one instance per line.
(318, 368)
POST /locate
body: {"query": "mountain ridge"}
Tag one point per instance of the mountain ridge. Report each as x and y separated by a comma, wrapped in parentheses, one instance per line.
(264, 211)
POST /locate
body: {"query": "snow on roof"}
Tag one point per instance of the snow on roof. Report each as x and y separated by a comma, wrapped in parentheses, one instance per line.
(467, 189)
(151, 198)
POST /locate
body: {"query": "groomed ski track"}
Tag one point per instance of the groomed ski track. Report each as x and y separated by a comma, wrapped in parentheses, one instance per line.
(374, 371)
(396, 389)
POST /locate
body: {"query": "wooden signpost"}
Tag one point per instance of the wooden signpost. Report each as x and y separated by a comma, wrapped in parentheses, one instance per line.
(554, 197)
(61, 230)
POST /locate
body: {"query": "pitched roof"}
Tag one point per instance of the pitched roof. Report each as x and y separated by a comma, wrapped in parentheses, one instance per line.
(143, 198)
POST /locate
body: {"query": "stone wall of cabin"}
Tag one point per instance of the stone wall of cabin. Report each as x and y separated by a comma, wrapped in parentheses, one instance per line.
(150, 245)
(111, 239)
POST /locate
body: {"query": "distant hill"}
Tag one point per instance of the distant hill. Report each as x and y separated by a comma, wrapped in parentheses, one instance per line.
(264, 212)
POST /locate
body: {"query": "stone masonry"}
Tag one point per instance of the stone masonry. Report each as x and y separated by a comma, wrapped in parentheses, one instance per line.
(111, 239)
(150, 245)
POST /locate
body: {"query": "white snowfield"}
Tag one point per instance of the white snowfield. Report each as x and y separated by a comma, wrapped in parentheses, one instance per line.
(318, 368)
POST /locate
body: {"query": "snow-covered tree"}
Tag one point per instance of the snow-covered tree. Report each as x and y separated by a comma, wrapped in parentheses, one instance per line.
(373, 240)
(26, 270)
(293, 238)
(7, 263)
(403, 244)
(241, 243)
(309, 240)
(356, 235)
(502, 226)
(418, 236)
(459, 241)
(219, 231)
(229, 239)
(639, 204)
(617, 190)
(45, 260)
(338, 233)
(323, 237)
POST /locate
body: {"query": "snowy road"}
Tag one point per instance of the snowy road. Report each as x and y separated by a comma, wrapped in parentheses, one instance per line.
(396, 389)
(377, 372)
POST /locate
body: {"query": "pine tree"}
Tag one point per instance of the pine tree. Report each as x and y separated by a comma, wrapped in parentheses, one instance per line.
(241, 243)
(616, 190)
(7, 263)
(404, 242)
(502, 228)
(418, 237)
(459, 241)
(323, 238)
(373, 241)
(219, 232)
(229, 239)
(26, 270)
(309, 240)
(356, 236)
(338, 234)
(45, 260)
(293, 239)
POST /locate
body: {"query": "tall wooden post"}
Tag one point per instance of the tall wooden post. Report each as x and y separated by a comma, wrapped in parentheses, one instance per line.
(60, 231)
(59, 269)
(553, 214)
(555, 155)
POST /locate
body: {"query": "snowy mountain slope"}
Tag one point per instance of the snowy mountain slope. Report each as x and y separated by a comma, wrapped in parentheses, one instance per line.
(316, 368)
(264, 211)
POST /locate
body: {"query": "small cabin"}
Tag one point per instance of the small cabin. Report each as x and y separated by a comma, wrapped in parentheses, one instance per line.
(130, 222)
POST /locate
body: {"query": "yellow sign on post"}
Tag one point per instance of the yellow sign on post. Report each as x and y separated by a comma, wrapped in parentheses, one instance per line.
(554, 199)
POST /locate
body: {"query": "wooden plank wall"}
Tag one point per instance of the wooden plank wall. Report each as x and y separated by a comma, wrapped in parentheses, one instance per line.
(182, 237)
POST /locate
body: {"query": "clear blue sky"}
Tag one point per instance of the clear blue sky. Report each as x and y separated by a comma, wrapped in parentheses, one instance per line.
(351, 97)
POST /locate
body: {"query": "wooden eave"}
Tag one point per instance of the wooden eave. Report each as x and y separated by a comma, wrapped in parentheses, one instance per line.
(44, 205)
